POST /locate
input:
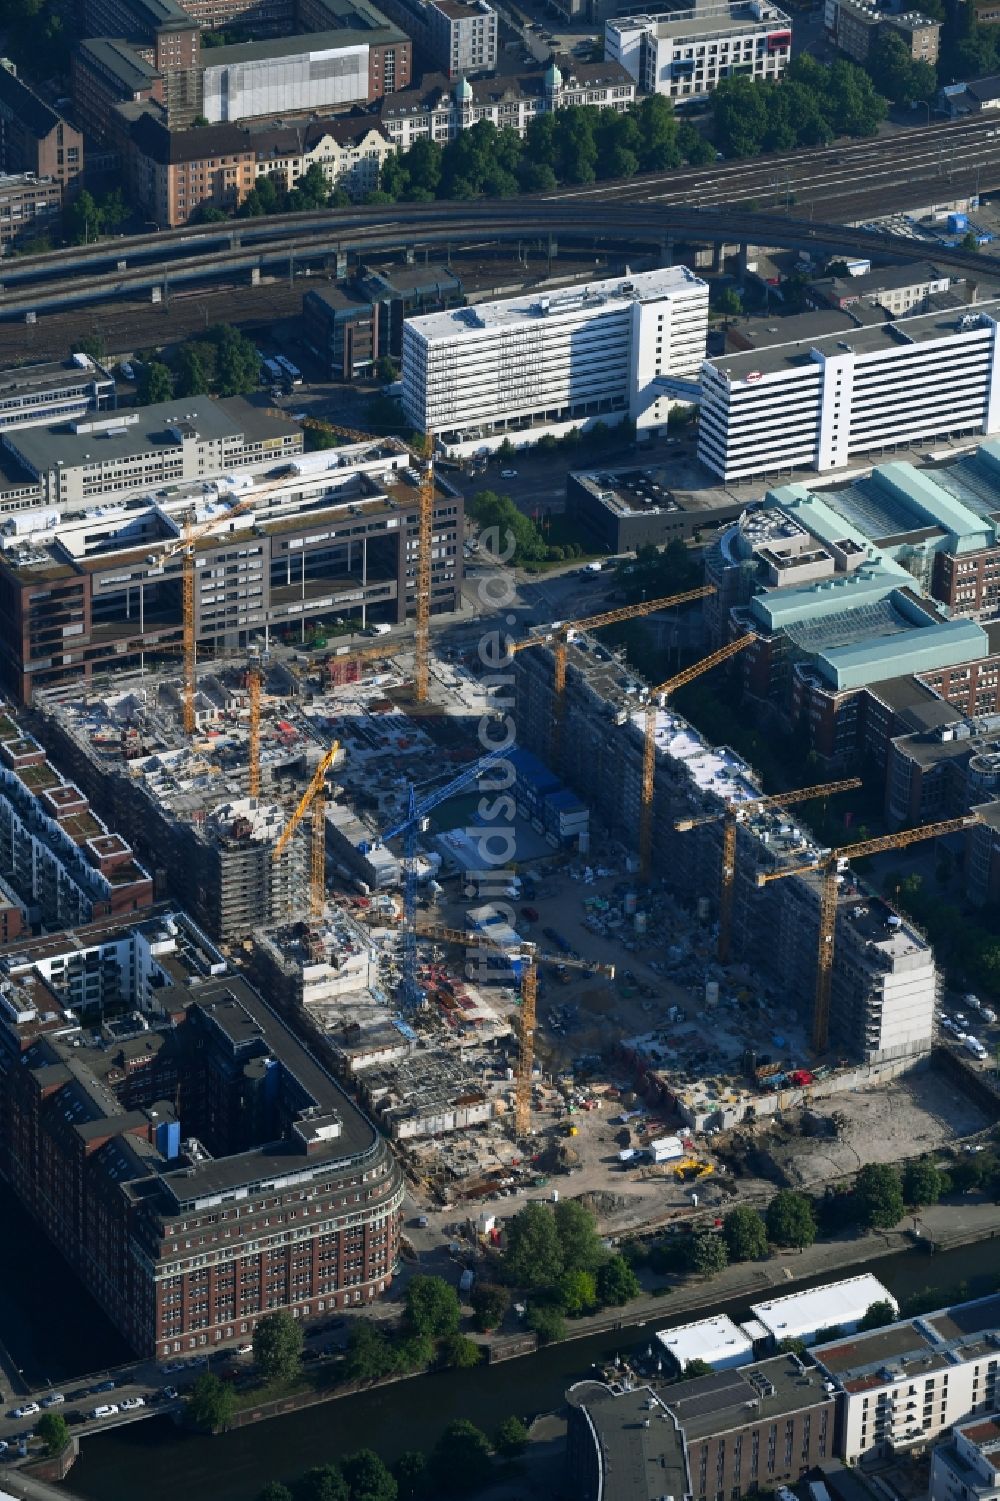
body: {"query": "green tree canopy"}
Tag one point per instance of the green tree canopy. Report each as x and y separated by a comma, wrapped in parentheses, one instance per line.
(534, 1255)
(322, 1483)
(53, 1430)
(547, 1322)
(237, 366)
(191, 373)
(577, 1292)
(369, 1354)
(275, 1491)
(923, 1183)
(695, 1368)
(707, 1254)
(460, 1353)
(791, 1220)
(461, 1459)
(277, 1346)
(894, 72)
(745, 1234)
(155, 383)
(617, 1283)
(489, 1304)
(739, 114)
(412, 1475)
(367, 1478)
(576, 1228)
(212, 1402)
(432, 1306)
(878, 1314)
(510, 1438)
(878, 1196)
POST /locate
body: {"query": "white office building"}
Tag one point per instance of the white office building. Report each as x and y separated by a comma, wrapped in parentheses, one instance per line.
(904, 1384)
(967, 1468)
(545, 363)
(687, 53)
(819, 403)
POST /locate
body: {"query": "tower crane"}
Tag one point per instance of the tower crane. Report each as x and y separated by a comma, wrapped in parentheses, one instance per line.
(530, 959)
(424, 459)
(827, 868)
(409, 827)
(649, 740)
(314, 797)
(733, 814)
(557, 637)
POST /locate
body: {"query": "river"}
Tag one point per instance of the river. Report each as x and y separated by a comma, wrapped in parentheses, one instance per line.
(153, 1460)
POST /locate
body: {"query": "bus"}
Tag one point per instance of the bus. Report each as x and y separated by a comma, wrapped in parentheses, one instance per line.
(272, 371)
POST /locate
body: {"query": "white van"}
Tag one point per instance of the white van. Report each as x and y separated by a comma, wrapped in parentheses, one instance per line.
(106, 1410)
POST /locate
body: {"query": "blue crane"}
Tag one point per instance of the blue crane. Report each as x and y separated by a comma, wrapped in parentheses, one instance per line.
(409, 827)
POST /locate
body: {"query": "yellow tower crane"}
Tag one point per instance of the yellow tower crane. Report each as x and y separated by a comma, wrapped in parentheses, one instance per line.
(557, 637)
(733, 814)
(314, 797)
(679, 680)
(827, 868)
(530, 960)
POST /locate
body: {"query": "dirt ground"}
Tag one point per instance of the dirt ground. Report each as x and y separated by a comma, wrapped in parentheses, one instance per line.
(918, 1113)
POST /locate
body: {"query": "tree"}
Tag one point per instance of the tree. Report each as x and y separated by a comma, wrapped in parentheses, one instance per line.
(53, 1430)
(155, 383)
(576, 148)
(369, 1355)
(878, 1314)
(510, 1438)
(739, 114)
(91, 345)
(237, 364)
(192, 376)
(322, 1483)
(923, 1182)
(894, 72)
(432, 1307)
(209, 213)
(275, 1491)
(414, 1353)
(659, 147)
(387, 369)
(967, 1172)
(694, 1369)
(970, 242)
(790, 1220)
(114, 211)
(878, 1196)
(212, 1403)
(368, 1479)
(412, 1476)
(792, 1346)
(461, 1459)
(617, 1283)
(534, 1253)
(745, 1234)
(729, 302)
(547, 1322)
(578, 1292)
(489, 1304)
(277, 1346)
(707, 1254)
(82, 218)
(576, 1228)
(460, 1353)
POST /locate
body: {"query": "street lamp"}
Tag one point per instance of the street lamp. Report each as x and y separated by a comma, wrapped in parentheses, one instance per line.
(927, 106)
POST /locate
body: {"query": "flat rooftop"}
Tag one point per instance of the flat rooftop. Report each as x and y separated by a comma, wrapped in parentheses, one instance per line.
(306, 44)
(645, 286)
(640, 1463)
(652, 492)
(707, 21)
(821, 1307)
(776, 1387)
(875, 338)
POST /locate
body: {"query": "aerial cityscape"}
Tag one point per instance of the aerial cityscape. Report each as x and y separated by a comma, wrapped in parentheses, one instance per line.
(499, 750)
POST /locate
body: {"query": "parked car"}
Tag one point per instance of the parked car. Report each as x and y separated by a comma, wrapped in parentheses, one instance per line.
(170, 1393)
(54, 1399)
(131, 1404)
(27, 1410)
(508, 474)
(106, 1410)
(102, 1386)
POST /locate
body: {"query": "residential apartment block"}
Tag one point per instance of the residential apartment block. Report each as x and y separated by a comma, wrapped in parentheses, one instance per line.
(854, 24)
(686, 54)
(437, 111)
(540, 362)
(967, 1467)
(821, 402)
(29, 206)
(33, 137)
(900, 1386)
(189, 1157)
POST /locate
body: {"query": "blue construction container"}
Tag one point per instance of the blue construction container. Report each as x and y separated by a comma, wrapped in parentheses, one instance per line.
(958, 223)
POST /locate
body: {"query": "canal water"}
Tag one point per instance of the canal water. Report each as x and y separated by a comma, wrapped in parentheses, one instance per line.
(152, 1460)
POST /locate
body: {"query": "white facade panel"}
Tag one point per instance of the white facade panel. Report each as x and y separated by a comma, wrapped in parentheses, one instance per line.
(332, 78)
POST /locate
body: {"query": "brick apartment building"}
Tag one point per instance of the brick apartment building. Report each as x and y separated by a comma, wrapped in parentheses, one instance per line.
(33, 137)
(187, 1155)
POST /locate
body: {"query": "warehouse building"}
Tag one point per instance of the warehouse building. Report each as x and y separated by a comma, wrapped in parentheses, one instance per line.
(545, 363)
(884, 979)
(183, 1137)
(836, 1305)
(717, 1341)
(625, 509)
(902, 1385)
(821, 402)
(685, 53)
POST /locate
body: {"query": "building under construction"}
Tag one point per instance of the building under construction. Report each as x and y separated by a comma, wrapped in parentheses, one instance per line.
(185, 801)
(884, 979)
(287, 550)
